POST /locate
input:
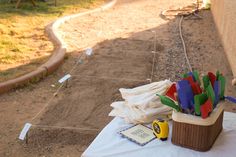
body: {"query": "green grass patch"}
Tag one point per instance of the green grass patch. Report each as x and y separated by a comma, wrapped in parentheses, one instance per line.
(43, 8)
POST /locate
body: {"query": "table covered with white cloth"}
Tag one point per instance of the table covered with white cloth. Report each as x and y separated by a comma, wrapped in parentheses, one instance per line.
(111, 144)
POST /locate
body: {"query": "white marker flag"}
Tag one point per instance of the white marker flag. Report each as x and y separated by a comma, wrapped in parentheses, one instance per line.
(64, 78)
(24, 131)
(89, 51)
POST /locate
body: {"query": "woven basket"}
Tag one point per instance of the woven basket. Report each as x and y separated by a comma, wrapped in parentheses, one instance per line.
(196, 133)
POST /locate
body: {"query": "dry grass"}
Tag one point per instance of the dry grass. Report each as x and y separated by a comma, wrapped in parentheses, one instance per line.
(23, 42)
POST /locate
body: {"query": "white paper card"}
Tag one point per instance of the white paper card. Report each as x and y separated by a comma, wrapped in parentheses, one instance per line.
(139, 134)
(24, 131)
(89, 51)
(63, 79)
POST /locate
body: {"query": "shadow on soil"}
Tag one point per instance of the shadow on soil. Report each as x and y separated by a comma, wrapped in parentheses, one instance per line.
(22, 69)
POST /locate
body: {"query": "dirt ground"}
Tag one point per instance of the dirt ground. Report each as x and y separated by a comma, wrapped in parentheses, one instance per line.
(122, 39)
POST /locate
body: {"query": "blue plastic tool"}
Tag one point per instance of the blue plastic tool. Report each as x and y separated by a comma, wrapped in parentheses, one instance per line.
(185, 94)
(230, 98)
(217, 93)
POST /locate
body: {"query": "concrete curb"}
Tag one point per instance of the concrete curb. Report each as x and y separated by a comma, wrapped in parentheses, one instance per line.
(58, 56)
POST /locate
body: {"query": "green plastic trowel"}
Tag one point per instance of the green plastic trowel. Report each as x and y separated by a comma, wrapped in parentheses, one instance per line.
(168, 102)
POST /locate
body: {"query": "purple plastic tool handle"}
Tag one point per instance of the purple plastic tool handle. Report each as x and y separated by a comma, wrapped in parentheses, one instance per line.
(217, 92)
(185, 94)
(230, 98)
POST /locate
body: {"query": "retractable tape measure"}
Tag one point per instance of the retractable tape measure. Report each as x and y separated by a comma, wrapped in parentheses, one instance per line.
(160, 129)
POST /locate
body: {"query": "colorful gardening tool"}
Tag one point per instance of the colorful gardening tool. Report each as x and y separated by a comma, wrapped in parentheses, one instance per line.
(210, 93)
(171, 92)
(206, 81)
(194, 81)
(232, 99)
(167, 101)
(191, 74)
(222, 86)
(206, 108)
(198, 101)
(217, 92)
(212, 78)
(185, 94)
(217, 74)
(190, 79)
(196, 88)
(196, 77)
(191, 98)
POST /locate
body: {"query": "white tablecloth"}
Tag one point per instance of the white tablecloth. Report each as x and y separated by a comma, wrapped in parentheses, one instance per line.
(110, 143)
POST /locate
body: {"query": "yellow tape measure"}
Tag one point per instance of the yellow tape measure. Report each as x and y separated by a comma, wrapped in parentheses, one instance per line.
(160, 129)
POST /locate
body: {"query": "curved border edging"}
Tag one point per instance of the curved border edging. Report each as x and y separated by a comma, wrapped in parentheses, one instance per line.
(234, 82)
(57, 57)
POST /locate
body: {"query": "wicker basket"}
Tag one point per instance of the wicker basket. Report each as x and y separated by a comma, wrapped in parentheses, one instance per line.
(196, 133)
